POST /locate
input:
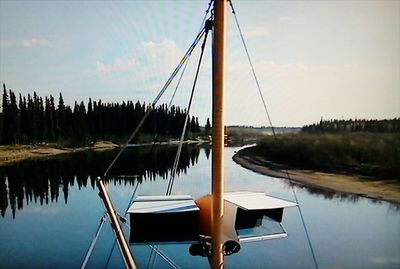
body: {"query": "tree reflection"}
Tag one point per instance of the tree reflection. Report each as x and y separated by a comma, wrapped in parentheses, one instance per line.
(41, 180)
(3, 196)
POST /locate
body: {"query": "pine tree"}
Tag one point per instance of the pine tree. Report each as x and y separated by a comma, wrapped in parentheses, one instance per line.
(41, 121)
(49, 119)
(1, 127)
(34, 112)
(23, 120)
(61, 115)
(82, 121)
(30, 119)
(5, 117)
(90, 119)
(207, 128)
(197, 128)
(193, 125)
(14, 119)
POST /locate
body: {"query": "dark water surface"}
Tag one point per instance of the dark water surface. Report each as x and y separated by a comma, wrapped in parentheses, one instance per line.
(50, 210)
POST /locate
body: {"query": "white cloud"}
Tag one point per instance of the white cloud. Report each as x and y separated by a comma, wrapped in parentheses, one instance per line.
(166, 49)
(25, 43)
(35, 42)
(158, 60)
(257, 31)
(118, 66)
(154, 57)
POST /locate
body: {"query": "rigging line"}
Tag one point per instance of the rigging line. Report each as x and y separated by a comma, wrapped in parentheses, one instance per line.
(152, 258)
(302, 220)
(178, 153)
(274, 134)
(205, 15)
(186, 63)
(164, 88)
(132, 197)
(175, 91)
(93, 243)
(165, 257)
(179, 82)
(111, 252)
(252, 67)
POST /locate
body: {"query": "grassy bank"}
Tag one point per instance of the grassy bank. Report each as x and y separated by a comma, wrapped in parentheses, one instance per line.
(366, 154)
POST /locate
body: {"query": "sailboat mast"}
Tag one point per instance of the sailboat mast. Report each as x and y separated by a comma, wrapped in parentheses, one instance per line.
(217, 189)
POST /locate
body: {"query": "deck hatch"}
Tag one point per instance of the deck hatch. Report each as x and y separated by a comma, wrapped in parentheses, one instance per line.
(172, 218)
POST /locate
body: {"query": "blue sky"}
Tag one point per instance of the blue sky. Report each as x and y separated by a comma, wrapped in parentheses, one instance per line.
(330, 59)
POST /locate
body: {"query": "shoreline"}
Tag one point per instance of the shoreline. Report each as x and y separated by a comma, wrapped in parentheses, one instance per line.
(386, 190)
(13, 154)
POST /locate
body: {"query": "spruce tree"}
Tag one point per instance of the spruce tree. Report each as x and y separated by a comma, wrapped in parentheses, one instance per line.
(207, 128)
(5, 117)
(23, 120)
(14, 119)
(41, 121)
(192, 125)
(61, 117)
(49, 119)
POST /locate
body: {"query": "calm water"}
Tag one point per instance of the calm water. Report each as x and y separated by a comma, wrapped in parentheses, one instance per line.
(50, 211)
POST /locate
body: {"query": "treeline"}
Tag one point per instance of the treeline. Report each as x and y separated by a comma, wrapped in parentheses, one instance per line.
(367, 154)
(34, 119)
(339, 126)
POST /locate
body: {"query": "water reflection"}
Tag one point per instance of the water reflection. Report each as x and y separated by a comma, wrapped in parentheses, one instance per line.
(41, 180)
(340, 196)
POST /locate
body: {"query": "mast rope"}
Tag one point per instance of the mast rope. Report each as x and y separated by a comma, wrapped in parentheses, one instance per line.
(162, 91)
(93, 243)
(252, 66)
(156, 249)
(178, 84)
(186, 64)
(207, 27)
(184, 61)
(173, 95)
(164, 257)
(273, 132)
(153, 257)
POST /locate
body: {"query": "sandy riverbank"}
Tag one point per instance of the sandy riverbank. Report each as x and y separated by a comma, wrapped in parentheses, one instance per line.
(11, 154)
(387, 190)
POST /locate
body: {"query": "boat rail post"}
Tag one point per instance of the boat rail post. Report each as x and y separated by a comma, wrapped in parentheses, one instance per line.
(122, 243)
(217, 189)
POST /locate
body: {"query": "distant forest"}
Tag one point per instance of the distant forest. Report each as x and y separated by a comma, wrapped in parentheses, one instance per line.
(34, 119)
(341, 126)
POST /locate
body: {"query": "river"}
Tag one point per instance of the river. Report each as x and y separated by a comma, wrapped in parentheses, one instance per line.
(50, 210)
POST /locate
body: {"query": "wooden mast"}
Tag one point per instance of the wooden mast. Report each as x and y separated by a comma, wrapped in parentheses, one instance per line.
(217, 189)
